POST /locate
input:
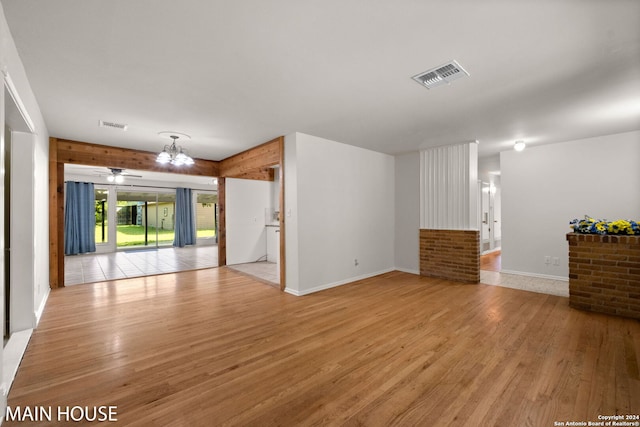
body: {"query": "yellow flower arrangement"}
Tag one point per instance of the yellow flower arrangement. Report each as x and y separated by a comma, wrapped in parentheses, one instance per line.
(589, 225)
(620, 226)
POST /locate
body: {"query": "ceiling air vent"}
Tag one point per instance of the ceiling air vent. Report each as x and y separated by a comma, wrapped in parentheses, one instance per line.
(113, 125)
(441, 75)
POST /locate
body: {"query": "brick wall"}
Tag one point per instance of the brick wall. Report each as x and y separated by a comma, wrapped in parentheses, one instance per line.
(450, 254)
(604, 273)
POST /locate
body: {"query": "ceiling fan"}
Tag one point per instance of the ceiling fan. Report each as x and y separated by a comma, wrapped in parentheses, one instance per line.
(117, 175)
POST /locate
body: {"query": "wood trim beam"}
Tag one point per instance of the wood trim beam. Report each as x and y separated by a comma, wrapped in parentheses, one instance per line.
(255, 159)
(260, 175)
(60, 222)
(53, 214)
(85, 153)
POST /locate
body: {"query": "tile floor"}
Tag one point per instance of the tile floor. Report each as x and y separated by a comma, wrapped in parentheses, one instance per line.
(267, 271)
(490, 274)
(89, 268)
(525, 283)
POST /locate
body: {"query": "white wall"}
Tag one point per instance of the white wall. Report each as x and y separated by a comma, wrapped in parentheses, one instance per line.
(41, 217)
(545, 187)
(292, 270)
(496, 181)
(340, 207)
(11, 64)
(245, 203)
(407, 212)
(22, 232)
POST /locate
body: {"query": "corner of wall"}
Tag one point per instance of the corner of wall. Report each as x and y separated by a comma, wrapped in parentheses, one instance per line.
(40, 307)
(407, 212)
(290, 213)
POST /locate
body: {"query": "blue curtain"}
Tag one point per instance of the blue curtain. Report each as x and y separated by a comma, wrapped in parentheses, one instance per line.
(79, 218)
(185, 228)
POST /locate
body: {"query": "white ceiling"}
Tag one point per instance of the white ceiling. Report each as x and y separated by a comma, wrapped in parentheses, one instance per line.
(234, 74)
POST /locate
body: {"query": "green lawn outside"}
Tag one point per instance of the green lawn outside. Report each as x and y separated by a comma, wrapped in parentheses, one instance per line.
(133, 235)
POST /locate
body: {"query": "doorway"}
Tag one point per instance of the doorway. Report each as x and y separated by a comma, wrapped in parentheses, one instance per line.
(490, 218)
(253, 227)
(134, 229)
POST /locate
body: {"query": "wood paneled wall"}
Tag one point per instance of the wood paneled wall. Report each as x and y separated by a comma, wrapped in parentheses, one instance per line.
(56, 217)
(84, 153)
(255, 163)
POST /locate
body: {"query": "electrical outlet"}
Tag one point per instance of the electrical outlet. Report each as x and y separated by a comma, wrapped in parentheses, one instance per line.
(355, 262)
(556, 260)
(547, 259)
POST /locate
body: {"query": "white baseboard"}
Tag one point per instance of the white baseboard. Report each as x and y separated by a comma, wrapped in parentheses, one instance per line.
(335, 284)
(408, 270)
(490, 251)
(547, 288)
(292, 292)
(38, 312)
(539, 276)
(11, 358)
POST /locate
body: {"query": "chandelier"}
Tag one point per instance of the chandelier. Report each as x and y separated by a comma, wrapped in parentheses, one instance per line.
(174, 154)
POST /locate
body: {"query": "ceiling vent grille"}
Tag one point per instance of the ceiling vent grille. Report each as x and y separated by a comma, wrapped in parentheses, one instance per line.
(442, 75)
(113, 125)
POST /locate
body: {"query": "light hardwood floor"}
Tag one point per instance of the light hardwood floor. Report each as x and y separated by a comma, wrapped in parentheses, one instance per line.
(213, 347)
(491, 261)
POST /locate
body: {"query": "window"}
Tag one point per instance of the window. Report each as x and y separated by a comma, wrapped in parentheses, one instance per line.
(206, 221)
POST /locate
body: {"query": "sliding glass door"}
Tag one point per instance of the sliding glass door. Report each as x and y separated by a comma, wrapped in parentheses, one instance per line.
(138, 218)
(206, 218)
(144, 219)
